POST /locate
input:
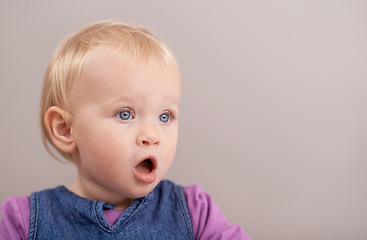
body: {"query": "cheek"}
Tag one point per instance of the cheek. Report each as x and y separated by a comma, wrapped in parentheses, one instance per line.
(95, 142)
(106, 156)
(171, 145)
(172, 133)
(112, 147)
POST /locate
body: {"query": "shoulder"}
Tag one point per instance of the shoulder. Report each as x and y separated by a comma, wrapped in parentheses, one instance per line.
(167, 184)
(168, 192)
(15, 213)
(207, 219)
(168, 188)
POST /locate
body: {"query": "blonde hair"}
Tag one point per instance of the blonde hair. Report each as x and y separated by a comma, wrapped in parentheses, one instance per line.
(134, 41)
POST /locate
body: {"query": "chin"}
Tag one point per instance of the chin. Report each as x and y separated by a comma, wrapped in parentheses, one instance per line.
(142, 190)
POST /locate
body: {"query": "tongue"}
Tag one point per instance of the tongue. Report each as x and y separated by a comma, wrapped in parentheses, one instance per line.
(145, 166)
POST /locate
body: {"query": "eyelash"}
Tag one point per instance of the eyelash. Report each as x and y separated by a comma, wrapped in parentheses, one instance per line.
(125, 110)
(171, 115)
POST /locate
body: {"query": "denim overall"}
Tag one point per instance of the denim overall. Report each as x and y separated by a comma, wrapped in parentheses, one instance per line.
(60, 214)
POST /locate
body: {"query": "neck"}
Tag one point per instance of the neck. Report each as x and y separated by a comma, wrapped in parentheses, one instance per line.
(88, 190)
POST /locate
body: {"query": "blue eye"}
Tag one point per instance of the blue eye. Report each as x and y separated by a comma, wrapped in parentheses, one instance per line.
(125, 115)
(165, 118)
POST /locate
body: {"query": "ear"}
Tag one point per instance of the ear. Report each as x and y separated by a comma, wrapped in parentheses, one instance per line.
(58, 123)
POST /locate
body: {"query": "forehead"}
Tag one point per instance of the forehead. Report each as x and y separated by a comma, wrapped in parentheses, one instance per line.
(109, 72)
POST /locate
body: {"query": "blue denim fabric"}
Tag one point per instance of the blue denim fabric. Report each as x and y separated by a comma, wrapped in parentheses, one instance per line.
(60, 214)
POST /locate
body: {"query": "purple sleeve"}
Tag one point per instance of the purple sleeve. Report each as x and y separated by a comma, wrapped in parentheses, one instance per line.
(15, 223)
(207, 220)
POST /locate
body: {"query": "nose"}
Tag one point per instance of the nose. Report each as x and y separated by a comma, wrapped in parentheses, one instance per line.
(148, 136)
(146, 141)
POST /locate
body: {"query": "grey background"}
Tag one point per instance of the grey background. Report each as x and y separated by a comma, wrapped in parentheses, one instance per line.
(273, 114)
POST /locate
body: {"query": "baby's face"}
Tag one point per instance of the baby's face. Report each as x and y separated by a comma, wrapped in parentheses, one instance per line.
(125, 124)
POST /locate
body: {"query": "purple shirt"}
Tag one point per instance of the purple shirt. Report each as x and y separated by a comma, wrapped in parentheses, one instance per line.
(207, 220)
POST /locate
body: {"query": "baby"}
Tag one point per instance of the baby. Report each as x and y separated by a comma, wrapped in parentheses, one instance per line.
(110, 105)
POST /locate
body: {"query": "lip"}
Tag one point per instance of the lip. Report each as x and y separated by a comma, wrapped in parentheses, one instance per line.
(146, 177)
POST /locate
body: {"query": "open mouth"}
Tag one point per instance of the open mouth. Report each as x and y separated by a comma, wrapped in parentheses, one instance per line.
(146, 170)
(146, 166)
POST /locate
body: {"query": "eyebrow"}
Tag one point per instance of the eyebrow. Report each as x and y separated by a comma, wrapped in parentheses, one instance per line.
(174, 104)
(127, 98)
